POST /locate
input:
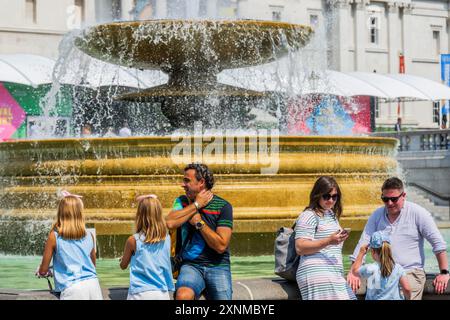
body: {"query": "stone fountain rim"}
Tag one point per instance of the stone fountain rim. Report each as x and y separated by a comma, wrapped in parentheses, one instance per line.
(224, 22)
(168, 140)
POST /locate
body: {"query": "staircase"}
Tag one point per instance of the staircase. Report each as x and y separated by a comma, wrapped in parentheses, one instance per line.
(440, 213)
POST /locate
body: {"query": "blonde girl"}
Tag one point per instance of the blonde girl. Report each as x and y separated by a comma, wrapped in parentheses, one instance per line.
(148, 253)
(72, 249)
(384, 277)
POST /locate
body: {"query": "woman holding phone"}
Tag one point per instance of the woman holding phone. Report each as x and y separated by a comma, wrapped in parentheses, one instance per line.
(318, 240)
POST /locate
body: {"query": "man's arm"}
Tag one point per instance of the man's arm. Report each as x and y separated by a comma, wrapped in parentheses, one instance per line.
(180, 215)
(217, 240)
(441, 281)
(430, 231)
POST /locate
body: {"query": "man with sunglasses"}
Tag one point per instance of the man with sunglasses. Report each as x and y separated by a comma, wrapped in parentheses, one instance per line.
(408, 225)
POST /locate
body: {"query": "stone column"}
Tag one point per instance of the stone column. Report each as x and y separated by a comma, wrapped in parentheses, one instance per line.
(343, 42)
(407, 40)
(394, 34)
(394, 42)
(361, 35)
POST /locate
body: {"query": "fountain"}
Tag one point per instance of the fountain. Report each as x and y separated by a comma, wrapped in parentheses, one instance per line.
(267, 191)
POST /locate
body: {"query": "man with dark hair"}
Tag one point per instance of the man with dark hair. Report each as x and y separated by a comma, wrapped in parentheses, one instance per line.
(205, 222)
(407, 224)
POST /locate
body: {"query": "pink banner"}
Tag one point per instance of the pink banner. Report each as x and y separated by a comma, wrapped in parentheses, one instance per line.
(11, 114)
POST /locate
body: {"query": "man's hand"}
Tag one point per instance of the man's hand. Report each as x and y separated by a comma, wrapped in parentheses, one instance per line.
(440, 283)
(353, 280)
(195, 218)
(204, 197)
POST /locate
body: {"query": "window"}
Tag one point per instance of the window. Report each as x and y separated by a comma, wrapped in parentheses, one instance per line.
(436, 107)
(373, 28)
(436, 42)
(276, 12)
(314, 20)
(30, 11)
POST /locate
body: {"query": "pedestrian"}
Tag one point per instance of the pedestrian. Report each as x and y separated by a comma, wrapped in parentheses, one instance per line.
(72, 249)
(407, 225)
(205, 222)
(318, 240)
(148, 253)
(384, 276)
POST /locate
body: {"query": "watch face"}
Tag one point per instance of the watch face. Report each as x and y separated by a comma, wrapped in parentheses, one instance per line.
(199, 225)
(444, 271)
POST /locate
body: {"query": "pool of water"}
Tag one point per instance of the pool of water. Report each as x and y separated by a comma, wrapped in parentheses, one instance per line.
(17, 272)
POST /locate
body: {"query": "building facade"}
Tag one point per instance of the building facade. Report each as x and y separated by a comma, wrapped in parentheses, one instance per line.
(361, 35)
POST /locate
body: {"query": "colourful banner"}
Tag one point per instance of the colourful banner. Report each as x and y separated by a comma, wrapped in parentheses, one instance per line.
(11, 114)
(329, 115)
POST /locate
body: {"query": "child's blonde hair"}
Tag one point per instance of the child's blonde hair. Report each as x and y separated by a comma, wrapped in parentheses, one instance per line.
(387, 262)
(150, 220)
(69, 219)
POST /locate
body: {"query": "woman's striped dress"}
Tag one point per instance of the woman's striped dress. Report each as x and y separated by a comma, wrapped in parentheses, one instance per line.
(320, 276)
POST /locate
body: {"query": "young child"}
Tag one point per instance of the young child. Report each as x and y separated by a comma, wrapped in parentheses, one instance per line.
(149, 252)
(73, 252)
(384, 275)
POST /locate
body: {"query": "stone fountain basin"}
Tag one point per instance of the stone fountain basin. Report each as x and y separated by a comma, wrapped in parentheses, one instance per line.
(192, 44)
(111, 172)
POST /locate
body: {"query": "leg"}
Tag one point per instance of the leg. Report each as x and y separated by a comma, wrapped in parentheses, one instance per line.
(218, 283)
(416, 279)
(190, 283)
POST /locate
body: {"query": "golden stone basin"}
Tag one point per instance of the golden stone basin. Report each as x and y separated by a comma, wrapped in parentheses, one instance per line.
(110, 172)
(174, 45)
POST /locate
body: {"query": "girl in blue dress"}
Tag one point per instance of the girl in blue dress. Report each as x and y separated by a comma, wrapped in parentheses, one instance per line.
(384, 277)
(72, 249)
(148, 253)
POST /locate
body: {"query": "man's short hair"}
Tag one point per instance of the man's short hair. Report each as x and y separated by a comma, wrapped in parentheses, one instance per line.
(392, 183)
(202, 172)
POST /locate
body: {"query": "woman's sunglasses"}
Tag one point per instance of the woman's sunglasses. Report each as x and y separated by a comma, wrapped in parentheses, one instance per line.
(392, 199)
(328, 196)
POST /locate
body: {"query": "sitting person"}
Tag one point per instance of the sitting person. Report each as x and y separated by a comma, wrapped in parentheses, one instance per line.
(384, 275)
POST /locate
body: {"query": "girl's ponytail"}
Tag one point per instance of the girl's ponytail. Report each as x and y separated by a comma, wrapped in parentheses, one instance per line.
(386, 260)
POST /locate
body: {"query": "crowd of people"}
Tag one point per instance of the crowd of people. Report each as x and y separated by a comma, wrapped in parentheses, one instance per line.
(191, 244)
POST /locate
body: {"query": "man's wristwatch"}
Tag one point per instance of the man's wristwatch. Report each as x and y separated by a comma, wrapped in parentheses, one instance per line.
(197, 206)
(444, 271)
(199, 225)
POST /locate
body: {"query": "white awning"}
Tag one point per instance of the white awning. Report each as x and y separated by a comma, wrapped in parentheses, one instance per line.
(27, 69)
(279, 76)
(34, 70)
(431, 89)
(393, 88)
